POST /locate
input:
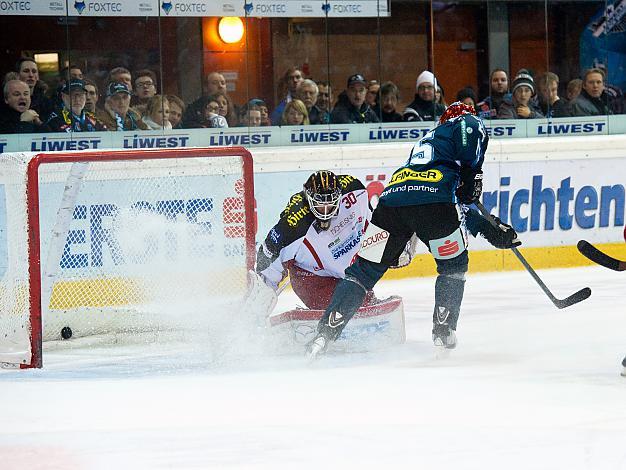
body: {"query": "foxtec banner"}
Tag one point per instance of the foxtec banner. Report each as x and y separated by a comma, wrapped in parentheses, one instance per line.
(174, 8)
(300, 135)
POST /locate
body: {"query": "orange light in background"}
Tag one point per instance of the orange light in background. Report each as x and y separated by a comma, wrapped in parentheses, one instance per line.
(230, 29)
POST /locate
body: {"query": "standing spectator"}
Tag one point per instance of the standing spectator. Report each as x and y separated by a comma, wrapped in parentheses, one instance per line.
(548, 96)
(574, 88)
(325, 100)
(351, 107)
(389, 97)
(250, 115)
(145, 89)
(307, 92)
(121, 75)
(93, 96)
(17, 117)
(177, 108)
(70, 116)
(467, 96)
(216, 83)
(157, 113)
(499, 89)
(593, 99)
(295, 114)
(423, 107)
(520, 105)
(265, 115)
(371, 98)
(117, 114)
(292, 77)
(29, 74)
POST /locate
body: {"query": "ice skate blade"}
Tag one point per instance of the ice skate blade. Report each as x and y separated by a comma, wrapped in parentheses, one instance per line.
(623, 374)
(442, 352)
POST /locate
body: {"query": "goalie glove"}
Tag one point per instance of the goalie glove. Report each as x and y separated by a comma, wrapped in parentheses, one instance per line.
(260, 299)
(471, 185)
(503, 237)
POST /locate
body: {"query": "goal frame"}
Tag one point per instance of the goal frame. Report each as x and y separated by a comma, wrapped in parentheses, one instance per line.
(33, 226)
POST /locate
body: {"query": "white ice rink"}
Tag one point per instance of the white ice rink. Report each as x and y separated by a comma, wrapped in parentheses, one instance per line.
(529, 387)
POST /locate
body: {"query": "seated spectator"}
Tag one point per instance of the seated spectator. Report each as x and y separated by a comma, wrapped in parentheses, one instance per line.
(548, 96)
(145, 88)
(295, 114)
(520, 105)
(211, 112)
(616, 99)
(227, 108)
(423, 107)
(573, 89)
(17, 117)
(388, 101)
(265, 115)
(192, 117)
(307, 92)
(66, 74)
(121, 75)
(250, 115)
(498, 91)
(70, 116)
(467, 95)
(177, 109)
(289, 83)
(93, 96)
(593, 99)
(351, 107)
(325, 100)
(117, 114)
(371, 97)
(440, 96)
(29, 73)
(157, 113)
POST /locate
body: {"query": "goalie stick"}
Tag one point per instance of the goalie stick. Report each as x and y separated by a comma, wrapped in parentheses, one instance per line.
(595, 255)
(576, 297)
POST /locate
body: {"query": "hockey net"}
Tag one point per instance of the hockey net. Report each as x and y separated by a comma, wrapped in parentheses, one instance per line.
(98, 242)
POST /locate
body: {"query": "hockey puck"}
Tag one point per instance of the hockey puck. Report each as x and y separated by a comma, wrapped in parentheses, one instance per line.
(66, 332)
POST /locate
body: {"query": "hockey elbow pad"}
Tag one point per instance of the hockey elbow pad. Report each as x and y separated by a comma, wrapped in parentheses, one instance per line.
(471, 185)
(503, 236)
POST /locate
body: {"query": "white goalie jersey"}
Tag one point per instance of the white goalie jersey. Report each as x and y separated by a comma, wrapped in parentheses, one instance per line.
(298, 238)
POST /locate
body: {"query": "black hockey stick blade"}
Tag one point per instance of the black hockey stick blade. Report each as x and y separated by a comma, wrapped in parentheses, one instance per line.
(576, 297)
(599, 257)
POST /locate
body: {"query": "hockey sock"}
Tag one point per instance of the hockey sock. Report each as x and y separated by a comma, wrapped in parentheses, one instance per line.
(347, 299)
(449, 294)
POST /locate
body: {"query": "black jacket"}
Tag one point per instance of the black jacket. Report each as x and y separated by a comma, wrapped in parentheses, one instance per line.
(420, 110)
(345, 113)
(10, 123)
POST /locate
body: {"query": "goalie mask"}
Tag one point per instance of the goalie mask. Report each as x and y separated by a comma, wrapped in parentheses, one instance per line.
(323, 194)
(456, 109)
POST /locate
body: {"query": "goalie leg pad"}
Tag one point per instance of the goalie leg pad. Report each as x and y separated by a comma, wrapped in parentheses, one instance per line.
(260, 299)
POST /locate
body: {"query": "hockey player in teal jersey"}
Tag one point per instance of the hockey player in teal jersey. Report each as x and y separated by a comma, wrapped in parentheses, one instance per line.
(427, 197)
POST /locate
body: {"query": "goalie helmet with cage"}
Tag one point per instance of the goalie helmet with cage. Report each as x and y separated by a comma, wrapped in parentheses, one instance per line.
(323, 193)
(456, 109)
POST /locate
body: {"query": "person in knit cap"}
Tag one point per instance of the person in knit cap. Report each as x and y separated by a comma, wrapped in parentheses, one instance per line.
(423, 107)
(520, 105)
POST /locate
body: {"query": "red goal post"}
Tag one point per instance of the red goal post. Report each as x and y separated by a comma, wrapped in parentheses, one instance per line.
(110, 236)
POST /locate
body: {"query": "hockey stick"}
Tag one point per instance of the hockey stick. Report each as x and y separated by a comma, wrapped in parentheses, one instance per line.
(600, 258)
(576, 297)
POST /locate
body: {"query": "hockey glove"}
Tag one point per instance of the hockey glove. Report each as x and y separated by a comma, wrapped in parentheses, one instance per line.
(471, 185)
(504, 236)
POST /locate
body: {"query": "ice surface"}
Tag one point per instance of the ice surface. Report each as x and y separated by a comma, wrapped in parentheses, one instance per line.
(529, 387)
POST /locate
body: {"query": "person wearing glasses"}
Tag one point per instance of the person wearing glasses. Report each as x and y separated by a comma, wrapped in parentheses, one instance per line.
(145, 89)
(424, 107)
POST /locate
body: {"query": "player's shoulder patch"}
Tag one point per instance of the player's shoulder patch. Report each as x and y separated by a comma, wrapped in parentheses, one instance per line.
(296, 210)
(349, 183)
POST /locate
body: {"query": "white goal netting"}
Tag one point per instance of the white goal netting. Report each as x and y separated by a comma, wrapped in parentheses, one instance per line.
(124, 244)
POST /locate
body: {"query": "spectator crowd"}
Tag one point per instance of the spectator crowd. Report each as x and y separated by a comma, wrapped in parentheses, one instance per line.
(131, 101)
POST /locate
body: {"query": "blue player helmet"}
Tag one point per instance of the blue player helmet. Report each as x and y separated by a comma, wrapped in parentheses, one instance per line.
(456, 109)
(323, 193)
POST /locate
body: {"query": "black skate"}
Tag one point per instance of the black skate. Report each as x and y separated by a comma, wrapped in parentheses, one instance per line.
(443, 335)
(624, 367)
